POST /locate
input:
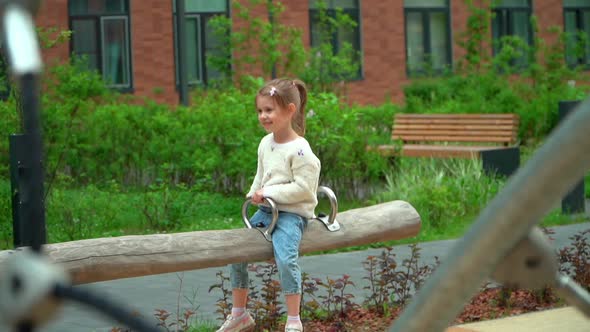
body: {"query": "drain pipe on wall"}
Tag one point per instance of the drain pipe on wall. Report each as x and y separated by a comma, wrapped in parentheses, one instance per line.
(182, 55)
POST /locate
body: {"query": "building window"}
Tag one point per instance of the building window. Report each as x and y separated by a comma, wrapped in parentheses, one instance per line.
(336, 24)
(512, 18)
(428, 36)
(201, 40)
(101, 37)
(577, 28)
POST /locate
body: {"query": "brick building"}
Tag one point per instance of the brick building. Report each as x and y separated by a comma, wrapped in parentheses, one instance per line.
(132, 43)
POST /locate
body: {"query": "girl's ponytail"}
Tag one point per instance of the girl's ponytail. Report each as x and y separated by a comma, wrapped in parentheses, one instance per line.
(299, 119)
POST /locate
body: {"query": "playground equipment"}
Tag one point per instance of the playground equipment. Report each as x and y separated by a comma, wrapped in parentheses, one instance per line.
(329, 220)
(502, 238)
(103, 259)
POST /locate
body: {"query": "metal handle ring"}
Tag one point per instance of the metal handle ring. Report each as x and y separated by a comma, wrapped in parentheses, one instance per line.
(331, 222)
(267, 232)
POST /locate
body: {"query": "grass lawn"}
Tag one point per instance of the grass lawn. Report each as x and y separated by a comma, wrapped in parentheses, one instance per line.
(448, 195)
(90, 212)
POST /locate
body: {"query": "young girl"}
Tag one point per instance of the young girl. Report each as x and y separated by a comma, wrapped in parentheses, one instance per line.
(288, 173)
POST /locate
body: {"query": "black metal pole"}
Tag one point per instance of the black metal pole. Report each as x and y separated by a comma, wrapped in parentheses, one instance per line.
(32, 205)
(27, 172)
(26, 66)
(182, 55)
(25, 62)
(271, 20)
(25, 327)
(17, 144)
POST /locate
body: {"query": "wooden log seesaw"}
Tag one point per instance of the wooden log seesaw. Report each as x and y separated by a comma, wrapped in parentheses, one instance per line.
(103, 259)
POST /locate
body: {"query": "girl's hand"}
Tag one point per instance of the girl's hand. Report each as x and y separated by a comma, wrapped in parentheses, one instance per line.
(257, 198)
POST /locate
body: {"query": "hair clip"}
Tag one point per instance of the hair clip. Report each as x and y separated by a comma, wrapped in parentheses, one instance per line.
(273, 90)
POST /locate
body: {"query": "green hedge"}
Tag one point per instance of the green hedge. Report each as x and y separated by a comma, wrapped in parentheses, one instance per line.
(212, 145)
(536, 105)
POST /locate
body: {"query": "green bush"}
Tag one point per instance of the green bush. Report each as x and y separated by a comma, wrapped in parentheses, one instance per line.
(461, 94)
(447, 193)
(340, 134)
(72, 82)
(211, 145)
(491, 93)
(10, 124)
(5, 215)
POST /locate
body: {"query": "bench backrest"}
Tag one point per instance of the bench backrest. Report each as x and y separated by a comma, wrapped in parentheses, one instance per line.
(476, 128)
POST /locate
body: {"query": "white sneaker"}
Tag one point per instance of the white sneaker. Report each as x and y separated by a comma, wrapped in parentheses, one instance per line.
(294, 327)
(242, 323)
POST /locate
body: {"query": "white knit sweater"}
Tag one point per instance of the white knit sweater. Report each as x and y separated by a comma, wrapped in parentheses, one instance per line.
(289, 174)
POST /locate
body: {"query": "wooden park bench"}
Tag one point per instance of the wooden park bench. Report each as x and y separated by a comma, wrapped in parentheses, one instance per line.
(490, 137)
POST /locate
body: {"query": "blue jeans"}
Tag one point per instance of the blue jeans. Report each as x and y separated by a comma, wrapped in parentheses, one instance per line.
(285, 242)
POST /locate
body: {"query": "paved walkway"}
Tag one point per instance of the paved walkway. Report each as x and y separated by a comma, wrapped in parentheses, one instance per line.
(171, 291)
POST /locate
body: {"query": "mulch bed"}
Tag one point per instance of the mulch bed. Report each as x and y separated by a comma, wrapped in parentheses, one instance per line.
(488, 304)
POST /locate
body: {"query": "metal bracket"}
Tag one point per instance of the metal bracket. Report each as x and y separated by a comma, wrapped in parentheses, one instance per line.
(329, 220)
(267, 232)
(532, 263)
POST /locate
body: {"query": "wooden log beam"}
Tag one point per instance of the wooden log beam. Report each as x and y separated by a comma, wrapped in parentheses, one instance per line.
(104, 259)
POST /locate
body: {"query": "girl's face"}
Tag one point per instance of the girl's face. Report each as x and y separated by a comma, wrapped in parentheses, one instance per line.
(272, 117)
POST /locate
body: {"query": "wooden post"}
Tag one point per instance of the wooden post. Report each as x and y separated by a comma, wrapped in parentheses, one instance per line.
(104, 259)
(574, 202)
